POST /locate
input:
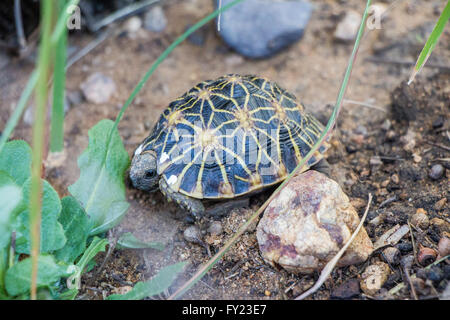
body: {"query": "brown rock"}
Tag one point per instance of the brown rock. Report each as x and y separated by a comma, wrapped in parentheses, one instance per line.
(374, 277)
(420, 219)
(347, 290)
(308, 223)
(444, 247)
(440, 204)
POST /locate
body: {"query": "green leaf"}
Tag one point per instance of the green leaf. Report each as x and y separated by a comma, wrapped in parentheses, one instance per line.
(76, 228)
(431, 42)
(11, 196)
(97, 245)
(15, 160)
(69, 294)
(101, 187)
(129, 241)
(154, 286)
(52, 233)
(18, 277)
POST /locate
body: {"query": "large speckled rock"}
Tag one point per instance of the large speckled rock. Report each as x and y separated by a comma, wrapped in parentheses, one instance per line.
(306, 225)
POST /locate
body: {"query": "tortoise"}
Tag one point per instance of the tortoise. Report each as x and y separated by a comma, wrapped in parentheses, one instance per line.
(224, 139)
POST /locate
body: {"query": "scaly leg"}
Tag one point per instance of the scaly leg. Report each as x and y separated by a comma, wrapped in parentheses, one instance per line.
(193, 206)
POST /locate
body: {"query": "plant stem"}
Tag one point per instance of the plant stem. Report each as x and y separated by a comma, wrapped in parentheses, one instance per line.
(38, 138)
(57, 124)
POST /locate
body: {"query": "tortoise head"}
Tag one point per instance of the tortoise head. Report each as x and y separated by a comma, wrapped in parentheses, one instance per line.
(143, 172)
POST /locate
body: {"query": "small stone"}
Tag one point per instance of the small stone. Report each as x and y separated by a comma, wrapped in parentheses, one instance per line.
(347, 29)
(438, 122)
(408, 140)
(373, 278)
(444, 247)
(246, 28)
(361, 130)
(386, 125)
(439, 205)
(385, 183)
(442, 225)
(267, 293)
(307, 224)
(133, 24)
(426, 256)
(192, 234)
(416, 158)
(197, 38)
(420, 219)
(436, 172)
(98, 88)
(395, 179)
(347, 290)
(215, 228)
(392, 255)
(155, 20)
(375, 161)
(405, 247)
(234, 60)
(435, 274)
(74, 97)
(390, 135)
(123, 290)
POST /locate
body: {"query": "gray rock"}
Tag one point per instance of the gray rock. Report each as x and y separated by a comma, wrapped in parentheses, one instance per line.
(98, 88)
(437, 171)
(261, 28)
(155, 20)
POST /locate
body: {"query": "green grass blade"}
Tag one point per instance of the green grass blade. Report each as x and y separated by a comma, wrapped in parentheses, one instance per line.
(331, 122)
(20, 107)
(57, 123)
(431, 42)
(38, 137)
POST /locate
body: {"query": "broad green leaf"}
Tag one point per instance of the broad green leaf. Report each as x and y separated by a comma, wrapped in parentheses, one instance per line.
(52, 233)
(15, 160)
(129, 241)
(154, 286)
(10, 197)
(76, 228)
(18, 277)
(101, 187)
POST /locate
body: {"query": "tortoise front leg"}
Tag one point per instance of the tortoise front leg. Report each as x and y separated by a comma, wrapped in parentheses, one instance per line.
(193, 206)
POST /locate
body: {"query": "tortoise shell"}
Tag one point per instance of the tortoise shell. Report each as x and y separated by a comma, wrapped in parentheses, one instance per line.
(231, 136)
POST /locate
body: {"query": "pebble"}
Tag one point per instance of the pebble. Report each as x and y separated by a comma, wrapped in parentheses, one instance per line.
(261, 28)
(408, 140)
(192, 234)
(436, 172)
(420, 219)
(405, 247)
(386, 125)
(215, 228)
(444, 247)
(373, 278)
(133, 24)
(346, 290)
(375, 161)
(392, 255)
(197, 38)
(395, 179)
(438, 122)
(307, 223)
(155, 20)
(347, 28)
(441, 224)
(439, 205)
(98, 88)
(426, 256)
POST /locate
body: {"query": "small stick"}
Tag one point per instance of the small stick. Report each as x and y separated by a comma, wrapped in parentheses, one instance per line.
(437, 145)
(330, 265)
(364, 104)
(19, 24)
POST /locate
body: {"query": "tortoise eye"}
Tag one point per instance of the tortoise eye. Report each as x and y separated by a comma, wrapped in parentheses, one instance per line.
(149, 174)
